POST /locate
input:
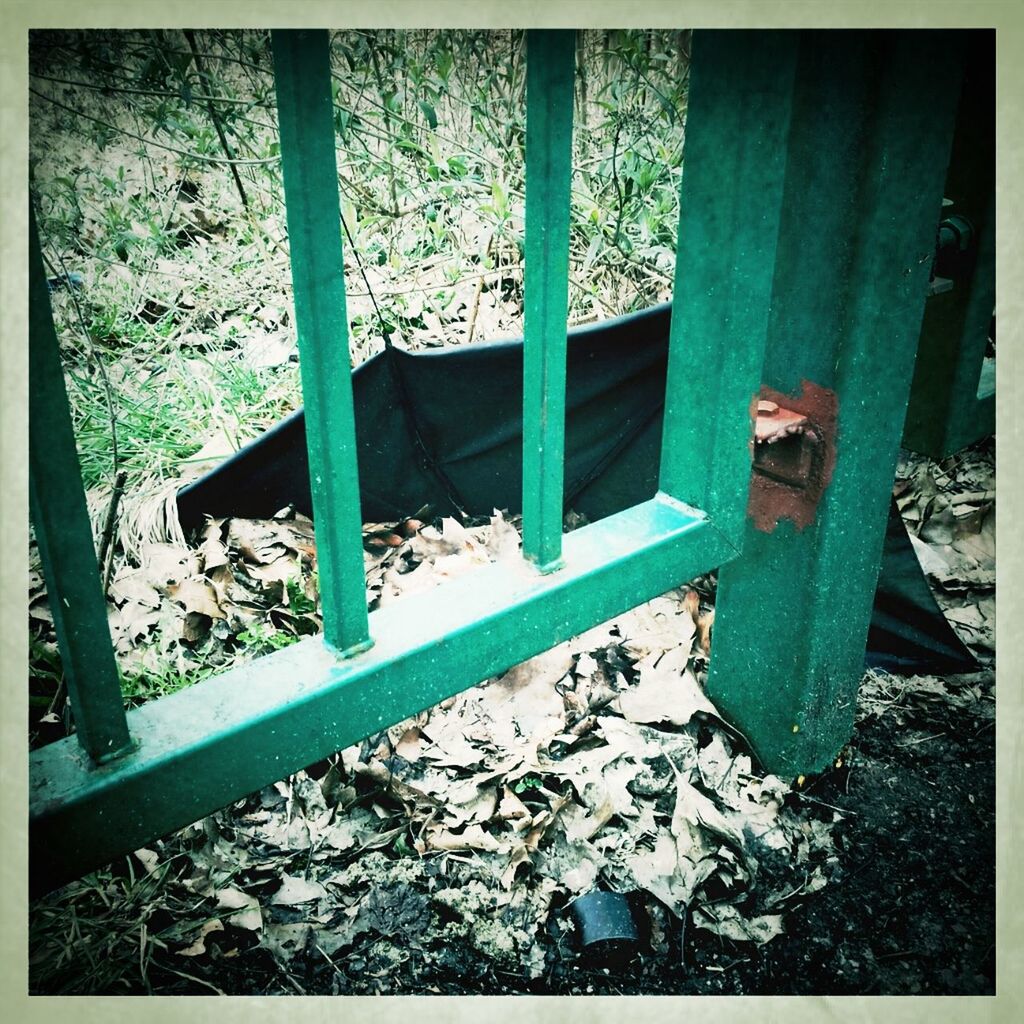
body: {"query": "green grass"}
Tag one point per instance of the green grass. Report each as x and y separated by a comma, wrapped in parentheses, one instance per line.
(165, 417)
(139, 687)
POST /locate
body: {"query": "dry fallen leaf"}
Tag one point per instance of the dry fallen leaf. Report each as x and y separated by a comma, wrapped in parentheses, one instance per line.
(663, 696)
(473, 837)
(199, 946)
(197, 595)
(248, 914)
(295, 890)
(149, 858)
(727, 921)
(705, 624)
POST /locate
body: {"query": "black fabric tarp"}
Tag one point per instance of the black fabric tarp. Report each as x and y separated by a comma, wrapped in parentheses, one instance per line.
(465, 404)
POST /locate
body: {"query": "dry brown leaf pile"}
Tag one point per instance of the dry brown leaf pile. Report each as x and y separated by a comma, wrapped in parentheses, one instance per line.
(599, 763)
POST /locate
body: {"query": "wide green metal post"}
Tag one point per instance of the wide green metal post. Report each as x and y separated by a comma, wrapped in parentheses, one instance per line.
(549, 97)
(64, 536)
(868, 148)
(302, 78)
(738, 119)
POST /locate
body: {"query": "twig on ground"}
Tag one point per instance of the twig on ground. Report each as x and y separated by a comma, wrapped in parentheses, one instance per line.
(192, 977)
(191, 37)
(105, 559)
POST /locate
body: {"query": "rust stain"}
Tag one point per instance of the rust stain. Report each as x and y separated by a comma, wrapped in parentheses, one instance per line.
(804, 429)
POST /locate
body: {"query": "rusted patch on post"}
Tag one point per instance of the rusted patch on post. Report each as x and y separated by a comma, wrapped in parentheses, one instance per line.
(793, 452)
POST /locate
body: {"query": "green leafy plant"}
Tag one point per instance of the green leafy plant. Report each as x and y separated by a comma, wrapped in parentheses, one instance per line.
(262, 638)
(528, 783)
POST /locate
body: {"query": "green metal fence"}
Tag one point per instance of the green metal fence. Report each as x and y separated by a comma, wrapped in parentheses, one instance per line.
(813, 184)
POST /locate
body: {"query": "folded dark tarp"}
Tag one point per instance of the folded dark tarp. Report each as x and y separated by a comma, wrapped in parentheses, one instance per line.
(465, 406)
(908, 632)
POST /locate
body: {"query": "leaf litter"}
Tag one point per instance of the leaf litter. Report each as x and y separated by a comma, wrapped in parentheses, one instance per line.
(949, 509)
(600, 764)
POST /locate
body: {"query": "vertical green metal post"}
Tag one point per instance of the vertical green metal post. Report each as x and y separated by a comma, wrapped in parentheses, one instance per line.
(868, 149)
(305, 114)
(946, 410)
(65, 538)
(730, 201)
(549, 97)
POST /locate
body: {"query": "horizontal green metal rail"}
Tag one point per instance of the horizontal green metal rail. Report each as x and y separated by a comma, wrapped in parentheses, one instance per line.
(225, 737)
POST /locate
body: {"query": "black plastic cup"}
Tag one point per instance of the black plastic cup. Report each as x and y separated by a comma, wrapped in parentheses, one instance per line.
(606, 928)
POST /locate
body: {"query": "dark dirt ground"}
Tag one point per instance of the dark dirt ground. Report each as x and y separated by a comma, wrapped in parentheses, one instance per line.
(914, 914)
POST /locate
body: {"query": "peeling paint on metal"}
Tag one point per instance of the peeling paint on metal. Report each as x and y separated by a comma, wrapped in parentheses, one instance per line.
(807, 419)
